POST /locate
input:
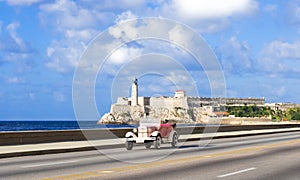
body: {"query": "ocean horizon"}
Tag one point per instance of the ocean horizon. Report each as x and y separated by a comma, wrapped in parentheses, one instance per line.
(40, 125)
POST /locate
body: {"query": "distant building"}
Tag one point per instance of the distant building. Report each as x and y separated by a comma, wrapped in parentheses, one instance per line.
(181, 100)
(179, 107)
(282, 106)
(179, 94)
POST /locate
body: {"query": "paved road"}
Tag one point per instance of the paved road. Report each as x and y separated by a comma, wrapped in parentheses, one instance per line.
(273, 156)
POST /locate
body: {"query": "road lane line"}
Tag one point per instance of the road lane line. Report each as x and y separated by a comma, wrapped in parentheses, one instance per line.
(237, 172)
(49, 164)
(106, 172)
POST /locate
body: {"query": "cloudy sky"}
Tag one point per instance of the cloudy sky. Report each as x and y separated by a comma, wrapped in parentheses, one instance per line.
(257, 44)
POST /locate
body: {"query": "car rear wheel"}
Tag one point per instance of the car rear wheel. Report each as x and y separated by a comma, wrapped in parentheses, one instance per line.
(129, 145)
(157, 142)
(174, 140)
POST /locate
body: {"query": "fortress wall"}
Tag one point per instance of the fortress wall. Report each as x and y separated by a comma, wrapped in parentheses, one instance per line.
(137, 111)
(257, 101)
(181, 102)
(118, 109)
(169, 103)
(161, 102)
(196, 102)
(122, 101)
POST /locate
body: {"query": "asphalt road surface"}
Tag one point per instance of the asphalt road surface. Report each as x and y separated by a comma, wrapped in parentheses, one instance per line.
(273, 156)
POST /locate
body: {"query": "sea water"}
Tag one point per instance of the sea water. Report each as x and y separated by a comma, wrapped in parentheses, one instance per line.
(54, 125)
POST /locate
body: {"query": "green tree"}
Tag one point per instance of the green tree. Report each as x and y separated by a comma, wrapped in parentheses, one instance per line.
(293, 113)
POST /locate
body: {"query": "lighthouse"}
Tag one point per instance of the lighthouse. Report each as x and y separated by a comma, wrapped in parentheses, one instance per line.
(134, 92)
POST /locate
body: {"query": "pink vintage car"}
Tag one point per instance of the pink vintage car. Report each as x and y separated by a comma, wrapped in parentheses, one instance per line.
(152, 133)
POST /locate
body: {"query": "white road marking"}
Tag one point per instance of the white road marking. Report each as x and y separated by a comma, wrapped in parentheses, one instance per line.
(48, 164)
(106, 172)
(237, 172)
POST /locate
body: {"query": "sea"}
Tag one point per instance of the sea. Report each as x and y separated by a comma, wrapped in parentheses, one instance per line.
(6, 126)
(55, 125)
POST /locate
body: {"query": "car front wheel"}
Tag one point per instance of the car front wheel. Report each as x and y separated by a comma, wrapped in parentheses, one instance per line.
(157, 142)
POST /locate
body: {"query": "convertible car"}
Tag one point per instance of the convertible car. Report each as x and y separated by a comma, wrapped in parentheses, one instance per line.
(151, 133)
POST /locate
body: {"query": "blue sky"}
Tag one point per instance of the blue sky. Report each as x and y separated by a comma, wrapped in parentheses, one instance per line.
(257, 44)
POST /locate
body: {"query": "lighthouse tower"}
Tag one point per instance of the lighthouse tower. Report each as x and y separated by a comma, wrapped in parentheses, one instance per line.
(134, 92)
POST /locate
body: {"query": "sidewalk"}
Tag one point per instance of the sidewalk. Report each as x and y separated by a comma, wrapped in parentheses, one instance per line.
(72, 146)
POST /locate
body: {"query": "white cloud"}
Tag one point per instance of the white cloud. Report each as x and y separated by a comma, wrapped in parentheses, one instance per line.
(175, 34)
(293, 12)
(279, 56)
(235, 56)
(124, 31)
(84, 34)
(212, 9)
(282, 50)
(75, 25)
(22, 2)
(207, 16)
(128, 15)
(120, 57)
(11, 28)
(166, 31)
(67, 14)
(13, 48)
(108, 5)
(123, 55)
(16, 80)
(64, 55)
(17, 57)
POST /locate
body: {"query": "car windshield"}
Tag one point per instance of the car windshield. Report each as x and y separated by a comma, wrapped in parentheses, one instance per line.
(150, 122)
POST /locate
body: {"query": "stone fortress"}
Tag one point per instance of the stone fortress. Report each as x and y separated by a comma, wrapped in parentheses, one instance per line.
(179, 108)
